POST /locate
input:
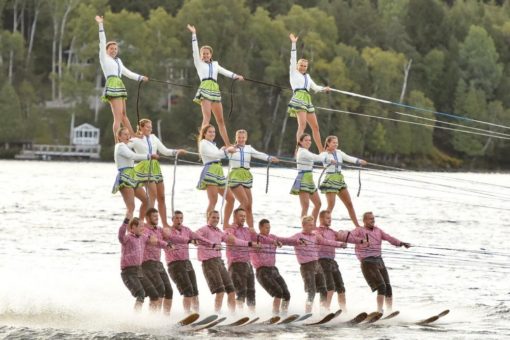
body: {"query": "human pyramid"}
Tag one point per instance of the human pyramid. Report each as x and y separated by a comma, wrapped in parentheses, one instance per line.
(142, 239)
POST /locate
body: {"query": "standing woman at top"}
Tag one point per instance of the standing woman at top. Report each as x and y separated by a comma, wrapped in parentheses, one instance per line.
(240, 179)
(304, 186)
(334, 185)
(300, 105)
(149, 171)
(115, 92)
(212, 178)
(208, 95)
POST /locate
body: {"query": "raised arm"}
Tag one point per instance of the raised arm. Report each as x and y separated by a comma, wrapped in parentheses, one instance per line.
(293, 52)
(122, 231)
(194, 45)
(102, 38)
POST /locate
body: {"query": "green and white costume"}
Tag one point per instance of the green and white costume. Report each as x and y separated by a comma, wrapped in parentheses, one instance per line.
(113, 70)
(124, 161)
(212, 173)
(150, 170)
(304, 180)
(301, 84)
(208, 74)
(240, 166)
(334, 180)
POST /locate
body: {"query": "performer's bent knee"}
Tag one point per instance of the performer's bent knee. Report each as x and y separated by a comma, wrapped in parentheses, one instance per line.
(381, 290)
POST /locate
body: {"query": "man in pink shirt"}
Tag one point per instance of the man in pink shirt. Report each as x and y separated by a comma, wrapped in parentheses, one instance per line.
(152, 266)
(372, 264)
(306, 246)
(238, 259)
(332, 274)
(179, 266)
(215, 273)
(132, 246)
(264, 261)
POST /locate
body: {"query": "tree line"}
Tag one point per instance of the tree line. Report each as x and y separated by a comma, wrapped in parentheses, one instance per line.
(447, 56)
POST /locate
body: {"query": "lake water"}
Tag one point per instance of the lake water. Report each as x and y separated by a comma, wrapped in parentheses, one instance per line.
(59, 254)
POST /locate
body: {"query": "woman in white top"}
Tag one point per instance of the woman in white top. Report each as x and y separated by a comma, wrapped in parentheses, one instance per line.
(208, 95)
(126, 181)
(115, 92)
(240, 179)
(333, 184)
(300, 105)
(149, 171)
(304, 186)
(212, 178)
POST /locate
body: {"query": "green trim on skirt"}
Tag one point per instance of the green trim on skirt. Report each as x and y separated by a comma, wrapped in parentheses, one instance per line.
(301, 101)
(114, 89)
(209, 90)
(303, 183)
(126, 178)
(333, 182)
(149, 171)
(240, 176)
(212, 174)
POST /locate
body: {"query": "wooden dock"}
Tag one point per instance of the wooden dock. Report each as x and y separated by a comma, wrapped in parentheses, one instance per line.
(49, 152)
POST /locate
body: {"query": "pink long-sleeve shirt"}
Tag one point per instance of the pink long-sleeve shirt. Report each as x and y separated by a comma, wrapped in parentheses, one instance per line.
(181, 251)
(236, 253)
(215, 236)
(375, 236)
(153, 252)
(266, 255)
(310, 250)
(328, 252)
(132, 247)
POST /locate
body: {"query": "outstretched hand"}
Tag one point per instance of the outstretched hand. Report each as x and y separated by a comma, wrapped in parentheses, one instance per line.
(405, 244)
(363, 162)
(192, 29)
(293, 38)
(99, 19)
(239, 77)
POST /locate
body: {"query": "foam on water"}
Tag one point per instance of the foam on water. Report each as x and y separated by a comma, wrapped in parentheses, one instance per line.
(59, 255)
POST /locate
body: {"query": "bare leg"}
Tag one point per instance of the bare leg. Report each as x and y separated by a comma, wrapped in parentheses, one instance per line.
(217, 110)
(329, 297)
(389, 304)
(341, 302)
(331, 199)
(152, 193)
(304, 199)
(186, 304)
(229, 206)
(314, 124)
(231, 300)
(141, 195)
(212, 195)
(129, 200)
(160, 188)
(194, 304)
(218, 301)
(380, 301)
(285, 307)
(154, 305)
(239, 305)
(316, 200)
(206, 112)
(301, 120)
(138, 306)
(243, 195)
(276, 306)
(346, 199)
(167, 306)
(118, 107)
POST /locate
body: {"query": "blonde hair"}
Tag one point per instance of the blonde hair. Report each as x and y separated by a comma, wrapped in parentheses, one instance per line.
(307, 218)
(328, 140)
(119, 132)
(302, 60)
(141, 124)
(111, 43)
(206, 47)
(241, 131)
(134, 222)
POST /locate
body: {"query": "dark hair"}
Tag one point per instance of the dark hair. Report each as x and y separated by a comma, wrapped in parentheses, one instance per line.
(238, 210)
(134, 221)
(151, 211)
(298, 144)
(178, 212)
(263, 221)
(323, 213)
(209, 213)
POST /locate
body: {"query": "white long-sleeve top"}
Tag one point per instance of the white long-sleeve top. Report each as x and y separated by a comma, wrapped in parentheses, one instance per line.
(112, 66)
(298, 80)
(207, 70)
(339, 156)
(305, 159)
(125, 158)
(209, 152)
(150, 145)
(242, 157)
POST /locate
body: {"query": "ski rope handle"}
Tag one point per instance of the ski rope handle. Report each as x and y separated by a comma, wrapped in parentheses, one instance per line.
(173, 184)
